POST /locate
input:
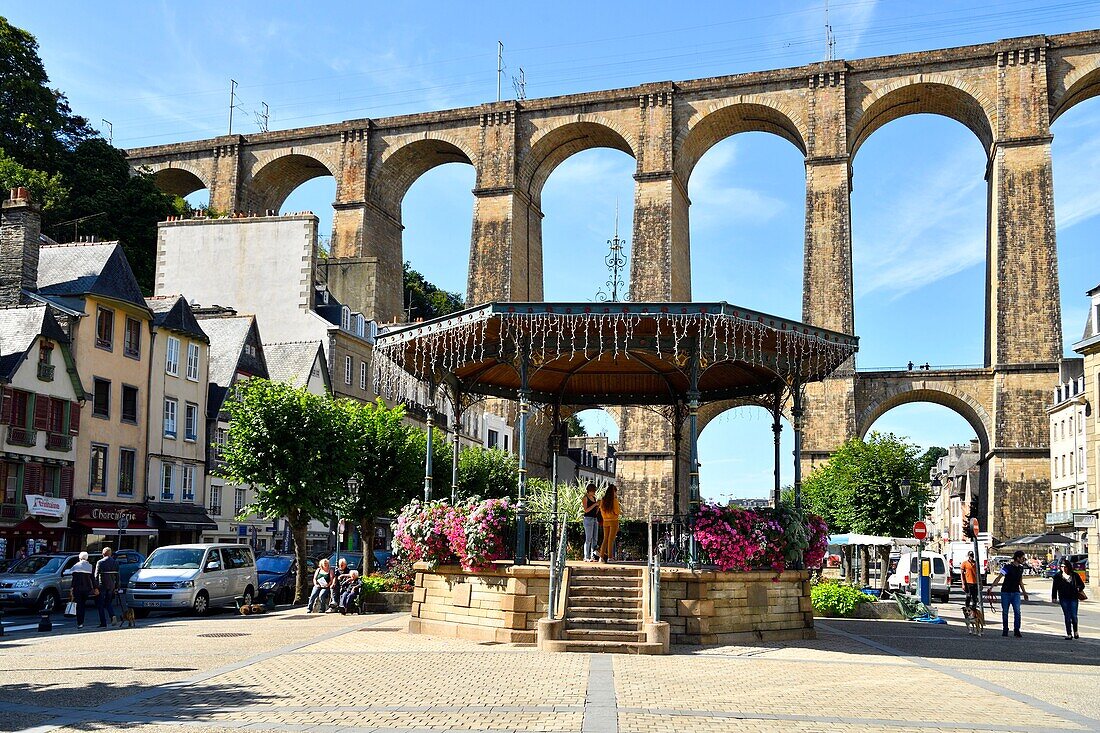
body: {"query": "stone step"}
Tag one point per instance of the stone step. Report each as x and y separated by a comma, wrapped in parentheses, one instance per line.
(605, 601)
(624, 591)
(619, 581)
(603, 647)
(603, 612)
(595, 623)
(604, 635)
(601, 569)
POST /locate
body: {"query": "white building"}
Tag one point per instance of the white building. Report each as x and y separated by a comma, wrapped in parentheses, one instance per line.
(1068, 455)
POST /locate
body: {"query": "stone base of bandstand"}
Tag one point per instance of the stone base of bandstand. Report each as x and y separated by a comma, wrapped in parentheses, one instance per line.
(507, 604)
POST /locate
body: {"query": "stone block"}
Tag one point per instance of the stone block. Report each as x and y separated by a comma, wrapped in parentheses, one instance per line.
(460, 595)
(515, 620)
(419, 594)
(517, 603)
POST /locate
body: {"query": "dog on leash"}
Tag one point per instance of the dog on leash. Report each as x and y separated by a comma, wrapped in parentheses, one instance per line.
(127, 617)
(975, 620)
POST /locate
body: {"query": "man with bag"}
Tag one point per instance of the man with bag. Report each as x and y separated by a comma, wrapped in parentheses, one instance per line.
(106, 577)
(84, 587)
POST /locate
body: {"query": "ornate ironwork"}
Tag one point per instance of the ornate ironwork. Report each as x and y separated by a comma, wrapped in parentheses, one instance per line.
(615, 259)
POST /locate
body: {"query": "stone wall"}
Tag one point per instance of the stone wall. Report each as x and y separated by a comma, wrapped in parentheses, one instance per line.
(711, 607)
(503, 604)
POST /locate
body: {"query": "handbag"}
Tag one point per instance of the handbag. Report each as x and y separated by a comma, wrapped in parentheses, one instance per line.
(70, 608)
(1081, 596)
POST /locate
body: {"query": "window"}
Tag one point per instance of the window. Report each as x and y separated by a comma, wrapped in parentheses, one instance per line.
(97, 478)
(101, 399)
(362, 375)
(129, 404)
(191, 422)
(216, 500)
(170, 407)
(127, 468)
(166, 474)
(238, 501)
(131, 345)
(347, 370)
(506, 441)
(345, 318)
(58, 414)
(9, 482)
(45, 352)
(494, 438)
(104, 328)
(172, 357)
(193, 362)
(1055, 461)
(187, 483)
(220, 438)
(360, 325)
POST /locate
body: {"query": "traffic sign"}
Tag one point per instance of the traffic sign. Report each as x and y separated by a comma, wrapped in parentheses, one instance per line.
(920, 530)
(974, 526)
(123, 522)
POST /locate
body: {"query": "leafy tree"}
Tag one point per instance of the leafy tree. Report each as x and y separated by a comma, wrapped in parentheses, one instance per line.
(296, 450)
(37, 126)
(575, 427)
(490, 473)
(47, 190)
(929, 459)
(858, 489)
(426, 300)
(389, 466)
(442, 458)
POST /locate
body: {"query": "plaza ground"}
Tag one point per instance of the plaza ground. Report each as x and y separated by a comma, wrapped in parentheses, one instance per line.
(289, 671)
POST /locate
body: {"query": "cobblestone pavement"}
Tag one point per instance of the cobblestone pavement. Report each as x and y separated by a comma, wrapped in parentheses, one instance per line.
(292, 672)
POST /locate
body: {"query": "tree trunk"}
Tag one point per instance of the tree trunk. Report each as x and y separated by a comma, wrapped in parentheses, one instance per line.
(884, 564)
(864, 566)
(366, 534)
(298, 528)
(846, 563)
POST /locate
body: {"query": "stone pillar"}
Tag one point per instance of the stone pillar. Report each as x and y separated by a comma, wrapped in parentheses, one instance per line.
(225, 183)
(20, 226)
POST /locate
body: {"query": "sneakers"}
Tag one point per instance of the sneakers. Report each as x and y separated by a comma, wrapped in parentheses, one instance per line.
(1069, 638)
(1017, 634)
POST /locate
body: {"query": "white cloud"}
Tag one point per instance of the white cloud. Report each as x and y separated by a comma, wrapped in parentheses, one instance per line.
(715, 201)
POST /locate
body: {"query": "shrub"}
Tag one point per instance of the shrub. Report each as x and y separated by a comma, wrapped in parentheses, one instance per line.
(745, 539)
(375, 583)
(399, 574)
(837, 599)
(484, 531)
(424, 532)
(473, 533)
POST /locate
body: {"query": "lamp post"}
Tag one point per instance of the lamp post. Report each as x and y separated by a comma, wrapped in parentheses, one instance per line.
(904, 487)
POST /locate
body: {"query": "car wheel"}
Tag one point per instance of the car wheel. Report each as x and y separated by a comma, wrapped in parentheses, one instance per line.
(48, 602)
(201, 604)
(249, 596)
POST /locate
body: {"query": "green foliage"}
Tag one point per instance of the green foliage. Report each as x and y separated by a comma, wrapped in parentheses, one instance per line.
(575, 427)
(425, 300)
(928, 460)
(489, 473)
(540, 499)
(442, 459)
(857, 490)
(837, 599)
(375, 584)
(47, 190)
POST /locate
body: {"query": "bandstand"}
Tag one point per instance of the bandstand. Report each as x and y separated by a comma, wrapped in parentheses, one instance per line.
(679, 356)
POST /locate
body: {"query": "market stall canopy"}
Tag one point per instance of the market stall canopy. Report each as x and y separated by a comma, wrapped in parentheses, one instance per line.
(869, 540)
(1050, 538)
(607, 353)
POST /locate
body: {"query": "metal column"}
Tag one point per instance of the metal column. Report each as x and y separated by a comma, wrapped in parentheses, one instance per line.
(430, 422)
(777, 430)
(693, 450)
(521, 485)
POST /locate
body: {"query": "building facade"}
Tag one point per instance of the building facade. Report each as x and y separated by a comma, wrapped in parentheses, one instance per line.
(1089, 349)
(1068, 457)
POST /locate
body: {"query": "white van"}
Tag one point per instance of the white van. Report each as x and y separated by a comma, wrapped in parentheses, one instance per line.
(904, 574)
(193, 577)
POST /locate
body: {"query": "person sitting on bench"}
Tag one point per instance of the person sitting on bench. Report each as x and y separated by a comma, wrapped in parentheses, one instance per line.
(350, 588)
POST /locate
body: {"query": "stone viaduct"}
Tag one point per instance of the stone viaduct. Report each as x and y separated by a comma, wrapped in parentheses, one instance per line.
(1007, 93)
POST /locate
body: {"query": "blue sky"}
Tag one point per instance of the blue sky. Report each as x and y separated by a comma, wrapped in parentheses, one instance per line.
(160, 73)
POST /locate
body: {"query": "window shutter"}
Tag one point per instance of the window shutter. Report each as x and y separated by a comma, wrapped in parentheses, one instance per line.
(67, 482)
(74, 418)
(41, 412)
(5, 405)
(32, 478)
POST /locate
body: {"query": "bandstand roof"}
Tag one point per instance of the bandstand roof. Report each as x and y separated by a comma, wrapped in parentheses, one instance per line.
(608, 353)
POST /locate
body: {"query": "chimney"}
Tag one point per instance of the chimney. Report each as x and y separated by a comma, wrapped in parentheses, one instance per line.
(974, 445)
(20, 227)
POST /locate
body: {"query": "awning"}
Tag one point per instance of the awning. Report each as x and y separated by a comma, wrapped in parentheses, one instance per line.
(177, 517)
(869, 540)
(1050, 538)
(111, 528)
(31, 527)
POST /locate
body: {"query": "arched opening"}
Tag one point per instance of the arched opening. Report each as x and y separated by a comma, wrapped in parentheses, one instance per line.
(737, 453)
(919, 231)
(274, 182)
(180, 182)
(575, 177)
(1075, 154)
(316, 195)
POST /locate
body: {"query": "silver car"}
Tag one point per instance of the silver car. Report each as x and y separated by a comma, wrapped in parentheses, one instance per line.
(38, 582)
(193, 577)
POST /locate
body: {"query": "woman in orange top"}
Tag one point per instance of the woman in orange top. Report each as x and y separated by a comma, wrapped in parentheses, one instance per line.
(609, 510)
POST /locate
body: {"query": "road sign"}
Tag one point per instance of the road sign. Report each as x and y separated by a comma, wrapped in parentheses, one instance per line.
(920, 530)
(123, 522)
(974, 526)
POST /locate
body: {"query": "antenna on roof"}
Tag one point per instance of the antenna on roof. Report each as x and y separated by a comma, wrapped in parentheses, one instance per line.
(830, 39)
(262, 118)
(519, 83)
(232, 102)
(110, 131)
(500, 65)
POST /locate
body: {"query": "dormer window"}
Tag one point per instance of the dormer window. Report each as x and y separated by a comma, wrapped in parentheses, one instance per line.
(345, 318)
(360, 325)
(45, 352)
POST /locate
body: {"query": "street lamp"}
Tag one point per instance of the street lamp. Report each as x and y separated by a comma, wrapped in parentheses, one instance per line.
(903, 488)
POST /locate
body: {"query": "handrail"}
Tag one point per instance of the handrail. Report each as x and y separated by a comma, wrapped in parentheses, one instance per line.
(557, 572)
(653, 569)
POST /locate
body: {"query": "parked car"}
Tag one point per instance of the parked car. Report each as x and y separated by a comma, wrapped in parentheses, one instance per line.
(129, 561)
(38, 582)
(904, 574)
(193, 577)
(277, 575)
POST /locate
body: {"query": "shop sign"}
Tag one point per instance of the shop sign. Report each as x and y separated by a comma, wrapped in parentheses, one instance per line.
(1084, 521)
(45, 506)
(109, 513)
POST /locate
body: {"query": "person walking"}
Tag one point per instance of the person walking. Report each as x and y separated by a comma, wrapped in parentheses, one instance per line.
(106, 577)
(1066, 591)
(322, 584)
(970, 581)
(610, 511)
(1011, 581)
(591, 523)
(84, 587)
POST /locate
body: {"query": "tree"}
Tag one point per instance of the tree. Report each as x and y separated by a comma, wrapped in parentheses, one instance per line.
(490, 473)
(929, 459)
(858, 489)
(47, 190)
(442, 460)
(389, 466)
(295, 449)
(426, 300)
(574, 427)
(37, 126)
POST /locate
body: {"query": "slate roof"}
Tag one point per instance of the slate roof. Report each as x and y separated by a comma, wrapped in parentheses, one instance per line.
(292, 361)
(20, 326)
(227, 339)
(173, 312)
(78, 269)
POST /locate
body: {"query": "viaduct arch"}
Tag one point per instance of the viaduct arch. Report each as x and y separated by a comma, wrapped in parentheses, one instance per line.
(1006, 92)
